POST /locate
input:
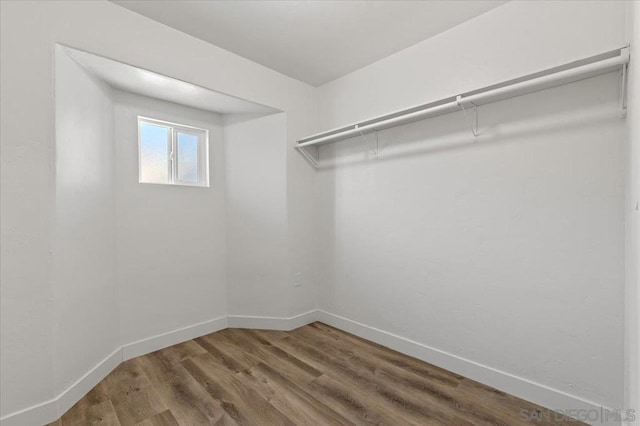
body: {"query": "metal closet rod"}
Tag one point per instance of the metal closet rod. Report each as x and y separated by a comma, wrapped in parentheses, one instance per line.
(523, 85)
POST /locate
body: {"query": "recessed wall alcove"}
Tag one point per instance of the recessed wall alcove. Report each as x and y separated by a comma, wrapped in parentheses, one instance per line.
(502, 249)
(137, 266)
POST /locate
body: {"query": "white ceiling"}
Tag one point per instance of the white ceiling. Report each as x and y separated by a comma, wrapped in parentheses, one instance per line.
(312, 41)
(148, 83)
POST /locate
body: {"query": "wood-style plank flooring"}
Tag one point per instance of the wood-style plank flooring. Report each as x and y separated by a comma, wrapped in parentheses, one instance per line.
(314, 375)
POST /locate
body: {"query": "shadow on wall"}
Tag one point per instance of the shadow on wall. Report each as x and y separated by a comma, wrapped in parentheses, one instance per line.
(484, 248)
(550, 111)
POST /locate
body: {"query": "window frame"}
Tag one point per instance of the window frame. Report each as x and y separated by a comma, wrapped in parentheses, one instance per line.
(172, 145)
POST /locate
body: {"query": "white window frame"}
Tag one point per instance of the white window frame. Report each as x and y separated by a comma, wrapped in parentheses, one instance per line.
(174, 129)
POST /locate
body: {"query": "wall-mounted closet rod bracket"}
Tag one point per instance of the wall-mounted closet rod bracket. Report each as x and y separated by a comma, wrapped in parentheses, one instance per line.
(306, 154)
(364, 139)
(473, 124)
(622, 99)
(377, 149)
(613, 60)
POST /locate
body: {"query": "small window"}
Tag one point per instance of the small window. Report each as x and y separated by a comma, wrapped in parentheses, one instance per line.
(172, 154)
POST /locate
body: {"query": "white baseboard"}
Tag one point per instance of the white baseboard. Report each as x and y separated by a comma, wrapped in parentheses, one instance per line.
(303, 319)
(545, 396)
(38, 414)
(271, 323)
(84, 384)
(51, 410)
(160, 341)
(509, 383)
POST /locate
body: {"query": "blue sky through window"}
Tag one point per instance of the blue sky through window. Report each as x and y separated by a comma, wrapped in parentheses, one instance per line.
(187, 157)
(154, 153)
(172, 153)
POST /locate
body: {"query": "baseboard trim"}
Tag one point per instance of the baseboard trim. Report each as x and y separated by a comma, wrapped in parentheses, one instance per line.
(84, 384)
(52, 409)
(545, 396)
(303, 319)
(38, 414)
(272, 323)
(506, 382)
(160, 341)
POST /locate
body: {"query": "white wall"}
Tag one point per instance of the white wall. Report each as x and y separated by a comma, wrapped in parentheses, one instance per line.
(85, 296)
(27, 138)
(502, 44)
(171, 239)
(507, 253)
(27, 212)
(498, 251)
(257, 273)
(632, 231)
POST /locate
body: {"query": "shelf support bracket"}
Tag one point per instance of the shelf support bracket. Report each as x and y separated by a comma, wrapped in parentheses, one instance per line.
(622, 99)
(474, 124)
(306, 154)
(374, 151)
(377, 149)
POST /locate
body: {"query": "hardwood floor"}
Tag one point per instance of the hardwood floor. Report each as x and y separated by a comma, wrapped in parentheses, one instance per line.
(314, 375)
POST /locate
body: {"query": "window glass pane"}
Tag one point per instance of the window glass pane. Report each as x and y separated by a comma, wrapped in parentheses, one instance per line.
(187, 157)
(154, 153)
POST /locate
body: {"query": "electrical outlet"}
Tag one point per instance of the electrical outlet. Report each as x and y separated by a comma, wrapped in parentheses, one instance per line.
(297, 279)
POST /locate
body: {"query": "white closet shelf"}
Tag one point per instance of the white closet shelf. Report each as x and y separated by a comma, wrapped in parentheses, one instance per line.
(614, 60)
